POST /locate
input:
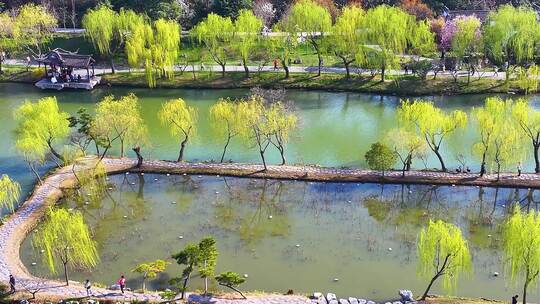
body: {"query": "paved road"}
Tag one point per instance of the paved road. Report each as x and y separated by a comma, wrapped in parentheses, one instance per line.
(22, 222)
(100, 70)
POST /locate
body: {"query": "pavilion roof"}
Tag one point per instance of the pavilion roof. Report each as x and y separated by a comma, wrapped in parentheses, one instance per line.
(61, 57)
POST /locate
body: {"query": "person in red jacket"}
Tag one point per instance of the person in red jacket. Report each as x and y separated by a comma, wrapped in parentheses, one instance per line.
(122, 283)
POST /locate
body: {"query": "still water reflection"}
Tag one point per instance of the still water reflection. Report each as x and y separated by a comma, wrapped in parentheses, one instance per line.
(294, 235)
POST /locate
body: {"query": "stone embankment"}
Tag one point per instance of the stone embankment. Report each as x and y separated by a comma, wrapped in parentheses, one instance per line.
(21, 223)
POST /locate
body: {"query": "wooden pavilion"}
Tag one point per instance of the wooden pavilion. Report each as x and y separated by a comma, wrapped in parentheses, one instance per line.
(63, 69)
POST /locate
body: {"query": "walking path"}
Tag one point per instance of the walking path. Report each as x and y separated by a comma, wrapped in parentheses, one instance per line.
(22, 222)
(103, 69)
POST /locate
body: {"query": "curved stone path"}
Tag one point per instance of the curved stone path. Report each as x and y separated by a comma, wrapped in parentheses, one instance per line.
(22, 222)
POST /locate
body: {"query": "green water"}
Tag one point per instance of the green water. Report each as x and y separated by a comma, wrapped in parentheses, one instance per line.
(343, 231)
(336, 129)
(337, 239)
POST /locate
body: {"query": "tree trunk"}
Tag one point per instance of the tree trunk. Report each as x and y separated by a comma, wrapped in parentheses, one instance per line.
(182, 148)
(111, 63)
(184, 287)
(536, 146)
(223, 70)
(66, 276)
(143, 284)
(225, 149)
(282, 153)
(235, 289)
(439, 156)
(320, 63)
(140, 159)
(54, 152)
(483, 166)
(525, 286)
(263, 159)
(382, 73)
(246, 69)
(121, 147)
(285, 68)
(424, 296)
(347, 70)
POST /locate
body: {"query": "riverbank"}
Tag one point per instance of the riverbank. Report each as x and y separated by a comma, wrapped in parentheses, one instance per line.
(399, 86)
(19, 225)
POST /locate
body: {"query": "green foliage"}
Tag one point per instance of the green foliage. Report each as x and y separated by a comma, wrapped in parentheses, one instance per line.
(430, 123)
(202, 256)
(181, 120)
(442, 251)
(155, 47)
(388, 32)
(66, 240)
(119, 119)
(521, 239)
(528, 78)
(216, 33)
(40, 125)
(528, 119)
(228, 119)
(10, 192)
(247, 33)
(500, 139)
(407, 145)
(231, 280)
(512, 35)
(34, 27)
(150, 270)
(108, 30)
(380, 157)
(308, 18)
(346, 35)
(7, 41)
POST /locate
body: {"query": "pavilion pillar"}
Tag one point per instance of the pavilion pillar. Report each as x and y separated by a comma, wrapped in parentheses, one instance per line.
(88, 74)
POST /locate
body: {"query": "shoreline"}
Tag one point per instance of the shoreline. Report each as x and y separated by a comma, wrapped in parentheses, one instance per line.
(407, 86)
(20, 224)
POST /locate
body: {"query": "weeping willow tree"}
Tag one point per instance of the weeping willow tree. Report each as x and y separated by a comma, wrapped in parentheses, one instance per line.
(511, 37)
(281, 121)
(155, 47)
(10, 191)
(501, 142)
(247, 34)
(119, 120)
(66, 240)
(33, 28)
(431, 123)
(528, 119)
(442, 252)
(346, 37)
(181, 120)
(108, 30)
(308, 18)
(388, 32)
(283, 47)
(528, 78)
(40, 126)
(216, 33)
(467, 42)
(228, 119)
(7, 42)
(521, 239)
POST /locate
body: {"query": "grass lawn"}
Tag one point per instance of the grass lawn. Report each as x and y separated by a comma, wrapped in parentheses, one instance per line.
(403, 86)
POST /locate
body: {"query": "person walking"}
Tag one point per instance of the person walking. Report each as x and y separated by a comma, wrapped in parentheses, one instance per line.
(122, 283)
(514, 299)
(88, 286)
(11, 284)
(519, 168)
